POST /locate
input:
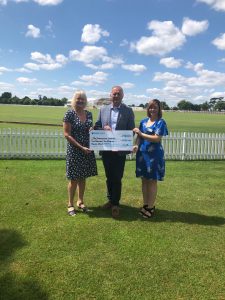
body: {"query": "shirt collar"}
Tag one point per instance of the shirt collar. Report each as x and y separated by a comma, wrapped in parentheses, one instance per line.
(115, 107)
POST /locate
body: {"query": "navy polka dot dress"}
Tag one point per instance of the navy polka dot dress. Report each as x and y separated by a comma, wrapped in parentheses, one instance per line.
(78, 164)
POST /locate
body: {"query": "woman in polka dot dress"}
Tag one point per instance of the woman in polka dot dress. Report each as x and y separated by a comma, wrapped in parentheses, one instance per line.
(80, 160)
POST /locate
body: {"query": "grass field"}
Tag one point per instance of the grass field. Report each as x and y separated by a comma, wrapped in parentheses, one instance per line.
(177, 121)
(179, 254)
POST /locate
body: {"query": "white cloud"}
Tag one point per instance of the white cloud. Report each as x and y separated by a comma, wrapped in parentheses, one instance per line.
(33, 31)
(94, 79)
(127, 85)
(217, 95)
(114, 60)
(32, 66)
(134, 68)
(130, 98)
(215, 4)
(222, 60)
(109, 63)
(101, 67)
(60, 58)
(5, 86)
(22, 70)
(40, 2)
(3, 70)
(205, 78)
(48, 2)
(192, 27)
(171, 62)
(46, 62)
(25, 80)
(165, 38)
(93, 33)
(167, 76)
(220, 42)
(95, 94)
(197, 67)
(65, 89)
(50, 67)
(41, 58)
(49, 29)
(47, 67)
(88, 54)
(195, 89)
(124, 43)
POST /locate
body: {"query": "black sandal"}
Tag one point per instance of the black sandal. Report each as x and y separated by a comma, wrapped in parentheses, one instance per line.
(82, 207)
(146, 212)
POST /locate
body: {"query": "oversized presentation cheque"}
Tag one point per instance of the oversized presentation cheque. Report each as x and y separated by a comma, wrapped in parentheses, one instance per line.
(106, 140)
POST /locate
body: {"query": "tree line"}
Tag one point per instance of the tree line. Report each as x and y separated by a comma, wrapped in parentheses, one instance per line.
(6, 98)
(214, 104)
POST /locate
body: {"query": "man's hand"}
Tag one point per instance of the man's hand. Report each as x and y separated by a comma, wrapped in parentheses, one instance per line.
(107, 127)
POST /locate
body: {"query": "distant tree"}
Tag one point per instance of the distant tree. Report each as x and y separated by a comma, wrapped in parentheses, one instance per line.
(205, 106)
(4, 100)
(6, 95)
(15, 100)
(26, 101)
(213, 102)
(141, 105)
(220, 105)
(33, 102)
(165, 106)
(196, 107)
(64, 101)
(185, 105)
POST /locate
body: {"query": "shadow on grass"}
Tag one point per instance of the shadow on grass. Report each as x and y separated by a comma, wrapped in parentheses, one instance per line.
(128, 213)
(12, 287)
(163, 215)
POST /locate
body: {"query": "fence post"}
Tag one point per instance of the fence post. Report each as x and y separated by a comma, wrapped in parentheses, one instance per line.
(183, 146)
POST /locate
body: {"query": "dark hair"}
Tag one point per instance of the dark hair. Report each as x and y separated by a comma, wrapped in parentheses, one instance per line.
(154, 101)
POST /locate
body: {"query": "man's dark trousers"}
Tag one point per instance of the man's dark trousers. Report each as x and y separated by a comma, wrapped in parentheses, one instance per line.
(114, 163)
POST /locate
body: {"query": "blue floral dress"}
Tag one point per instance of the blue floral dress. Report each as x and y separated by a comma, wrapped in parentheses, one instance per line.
(78, 164)
(150, 162)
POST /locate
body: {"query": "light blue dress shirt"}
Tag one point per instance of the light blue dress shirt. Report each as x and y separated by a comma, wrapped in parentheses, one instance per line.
(114, 117)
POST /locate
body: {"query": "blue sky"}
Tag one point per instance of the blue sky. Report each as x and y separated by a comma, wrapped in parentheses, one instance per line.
(165, 49)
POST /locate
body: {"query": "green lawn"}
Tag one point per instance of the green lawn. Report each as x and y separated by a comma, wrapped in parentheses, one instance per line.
(177, 121)
(179, 254)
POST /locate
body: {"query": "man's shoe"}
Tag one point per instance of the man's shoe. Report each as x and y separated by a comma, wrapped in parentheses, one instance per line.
(107, 205)
(115, 211)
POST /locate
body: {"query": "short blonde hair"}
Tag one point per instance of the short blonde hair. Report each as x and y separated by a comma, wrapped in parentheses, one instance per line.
(78, 94)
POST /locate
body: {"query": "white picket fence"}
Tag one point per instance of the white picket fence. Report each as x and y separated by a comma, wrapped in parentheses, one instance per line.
(51, 144)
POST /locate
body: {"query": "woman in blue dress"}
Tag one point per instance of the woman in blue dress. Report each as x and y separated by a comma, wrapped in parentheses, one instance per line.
(150, 163)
